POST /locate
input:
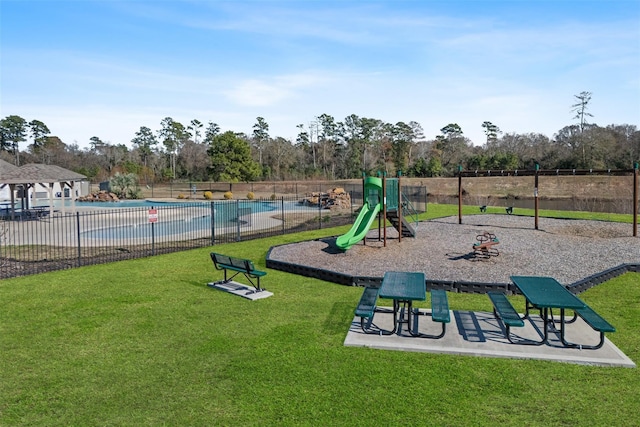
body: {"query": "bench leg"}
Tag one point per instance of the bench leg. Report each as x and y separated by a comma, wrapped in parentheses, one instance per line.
(222, 282)
(368, 327)
(583, 346)
(573, 318)
(414, 331)
(529, 306)
(574, 345)
(258, 288)
(522, 341)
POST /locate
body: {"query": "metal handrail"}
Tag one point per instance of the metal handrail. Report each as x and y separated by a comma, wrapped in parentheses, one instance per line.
(408, 209)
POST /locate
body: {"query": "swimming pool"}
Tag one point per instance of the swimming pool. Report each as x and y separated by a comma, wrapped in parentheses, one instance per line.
(176, 218)
(138, 203)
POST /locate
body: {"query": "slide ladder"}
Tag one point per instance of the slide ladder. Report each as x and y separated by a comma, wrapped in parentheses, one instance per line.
(407, 229)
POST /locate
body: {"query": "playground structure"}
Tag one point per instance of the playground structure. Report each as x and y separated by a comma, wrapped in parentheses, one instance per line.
(382, 199)
(484, 247)
(536, 173)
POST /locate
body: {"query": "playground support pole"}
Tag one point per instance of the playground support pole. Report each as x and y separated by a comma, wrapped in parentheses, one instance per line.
(383, 220)
(460, 194)
(635, 200)
(364, 200)
(535, 195)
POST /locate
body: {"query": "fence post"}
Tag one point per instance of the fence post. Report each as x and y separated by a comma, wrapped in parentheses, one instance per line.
(238, 219)
(282, 210)
(78, 237)
(153, 236)
(320, 211)
(351, 203)
(213, 224)
(426, 199)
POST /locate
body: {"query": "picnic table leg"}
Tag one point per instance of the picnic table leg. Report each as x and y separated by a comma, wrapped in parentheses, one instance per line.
(573, 318)
(573, 345)
(546, 325)
(396, 309)
(545, 333)
(414, 332)
(562, 330)
(400, 308)
(366, 326)
(528, 307)
(409, 307)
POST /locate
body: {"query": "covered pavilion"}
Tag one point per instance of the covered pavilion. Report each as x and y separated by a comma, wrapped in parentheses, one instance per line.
(24, 182)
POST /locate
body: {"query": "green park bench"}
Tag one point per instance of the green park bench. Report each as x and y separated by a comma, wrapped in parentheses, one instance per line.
(238, 266)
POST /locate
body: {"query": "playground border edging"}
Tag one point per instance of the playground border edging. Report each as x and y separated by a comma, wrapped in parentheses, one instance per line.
(451, 286)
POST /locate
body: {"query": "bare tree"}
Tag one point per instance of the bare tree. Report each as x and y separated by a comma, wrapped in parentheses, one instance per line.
(580, 108)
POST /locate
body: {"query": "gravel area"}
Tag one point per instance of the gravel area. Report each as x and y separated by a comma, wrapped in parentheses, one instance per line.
(568, 250)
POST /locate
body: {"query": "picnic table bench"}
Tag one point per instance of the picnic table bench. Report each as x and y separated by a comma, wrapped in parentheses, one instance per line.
(439, 311)
(238, 266)
(503, 310)
(595, 321)
(546, 294)
(367, 307)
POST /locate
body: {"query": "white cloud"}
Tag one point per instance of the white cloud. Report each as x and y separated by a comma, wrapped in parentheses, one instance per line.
(230, 62)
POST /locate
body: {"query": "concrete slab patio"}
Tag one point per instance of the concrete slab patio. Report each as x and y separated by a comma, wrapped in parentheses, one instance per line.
(241, 290)
(480, 334)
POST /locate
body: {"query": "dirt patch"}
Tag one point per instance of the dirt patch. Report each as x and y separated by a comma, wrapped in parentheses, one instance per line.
(591, 231)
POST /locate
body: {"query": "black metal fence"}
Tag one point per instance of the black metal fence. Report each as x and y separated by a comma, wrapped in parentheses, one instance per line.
(37, 244)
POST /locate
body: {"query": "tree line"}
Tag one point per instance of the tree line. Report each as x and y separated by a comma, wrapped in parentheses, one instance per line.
(325, 148)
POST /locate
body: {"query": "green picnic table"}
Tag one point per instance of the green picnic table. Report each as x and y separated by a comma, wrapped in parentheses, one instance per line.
(546, 294)
(403, 288)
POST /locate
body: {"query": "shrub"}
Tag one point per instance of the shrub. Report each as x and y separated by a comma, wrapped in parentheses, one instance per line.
(181, 196)
(228, 195)
(208, 195)
(125, 186)
(250, 195)
(273, 196)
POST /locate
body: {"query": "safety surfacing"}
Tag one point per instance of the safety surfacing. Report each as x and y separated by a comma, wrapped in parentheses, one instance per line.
(480, 334)
(240, 290)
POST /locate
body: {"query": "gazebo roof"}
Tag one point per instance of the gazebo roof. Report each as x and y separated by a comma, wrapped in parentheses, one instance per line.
(36, 172)
(6, 167)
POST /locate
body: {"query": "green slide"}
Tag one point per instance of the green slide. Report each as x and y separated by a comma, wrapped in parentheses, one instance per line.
(360, 227)
(368, 213)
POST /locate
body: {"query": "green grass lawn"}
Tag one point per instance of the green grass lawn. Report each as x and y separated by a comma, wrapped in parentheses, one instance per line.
(146, 342)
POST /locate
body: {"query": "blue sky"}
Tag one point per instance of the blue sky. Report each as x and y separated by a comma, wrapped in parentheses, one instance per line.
(107, 67)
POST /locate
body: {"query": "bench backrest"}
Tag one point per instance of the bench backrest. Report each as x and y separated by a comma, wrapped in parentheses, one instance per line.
(224, 260)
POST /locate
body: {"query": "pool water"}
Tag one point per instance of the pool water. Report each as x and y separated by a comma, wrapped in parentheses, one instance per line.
(148, 204)
(197, 217)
